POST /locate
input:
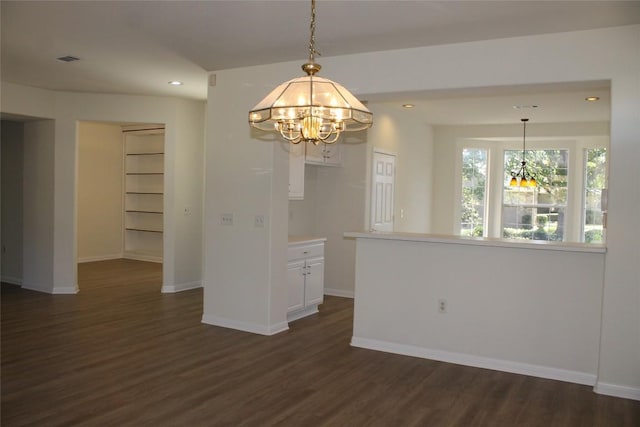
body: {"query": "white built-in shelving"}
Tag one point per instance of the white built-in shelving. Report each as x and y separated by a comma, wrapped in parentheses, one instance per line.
(143, 193)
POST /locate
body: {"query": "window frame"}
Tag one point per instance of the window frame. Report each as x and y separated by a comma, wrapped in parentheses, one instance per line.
(493, 219)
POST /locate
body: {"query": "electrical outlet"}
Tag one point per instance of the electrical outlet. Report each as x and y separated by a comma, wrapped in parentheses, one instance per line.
(259, 221)
(227, 219)
(442, 305)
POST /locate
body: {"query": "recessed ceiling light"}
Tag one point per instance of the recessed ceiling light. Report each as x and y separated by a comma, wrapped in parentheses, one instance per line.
(68, 58)
(524, 107)
(408, 105)
(592, 98)
(175, 83)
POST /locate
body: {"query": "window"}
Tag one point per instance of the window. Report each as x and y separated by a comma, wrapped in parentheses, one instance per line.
(536, 213)
(474, 185)
(594, 182)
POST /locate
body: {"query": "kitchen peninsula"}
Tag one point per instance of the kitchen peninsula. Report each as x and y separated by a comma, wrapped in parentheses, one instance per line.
(526, 307)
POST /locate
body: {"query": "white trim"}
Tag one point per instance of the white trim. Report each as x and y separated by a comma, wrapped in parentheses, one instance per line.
(142, 257)
(477, 361)
(65, 290)
(244, 326)
(12, 280)
(339, 293)
(299, 314)
(99, 258)
(623, 391)
(170, 289)
(32, 287)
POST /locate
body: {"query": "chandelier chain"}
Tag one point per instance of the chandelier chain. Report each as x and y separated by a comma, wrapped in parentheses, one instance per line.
(312, 30)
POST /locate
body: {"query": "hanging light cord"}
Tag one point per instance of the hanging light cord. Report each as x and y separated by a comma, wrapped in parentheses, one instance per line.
(524, 136)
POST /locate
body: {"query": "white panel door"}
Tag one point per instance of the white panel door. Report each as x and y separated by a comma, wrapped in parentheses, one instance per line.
(382, 189)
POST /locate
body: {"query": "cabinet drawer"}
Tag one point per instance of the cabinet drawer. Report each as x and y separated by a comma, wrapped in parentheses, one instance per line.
(296, 252)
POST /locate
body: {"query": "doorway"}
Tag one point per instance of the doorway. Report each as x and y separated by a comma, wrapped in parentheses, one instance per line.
(120, 193)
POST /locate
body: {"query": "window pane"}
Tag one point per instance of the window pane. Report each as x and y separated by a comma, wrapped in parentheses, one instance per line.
(595, 179)
(536, 213)
(474, 182)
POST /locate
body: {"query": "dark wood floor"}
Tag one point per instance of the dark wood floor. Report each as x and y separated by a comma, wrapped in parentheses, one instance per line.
(121, 354)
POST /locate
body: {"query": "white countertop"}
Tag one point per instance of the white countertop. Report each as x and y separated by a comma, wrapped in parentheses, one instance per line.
(479, 241)
(306, 239)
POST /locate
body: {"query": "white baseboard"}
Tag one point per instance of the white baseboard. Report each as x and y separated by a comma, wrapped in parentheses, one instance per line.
(12, 280)
(244, 326)
(295, 315)
(616, 390)
(584, 378)
(142, 257)
(99, 258)
(338, 293)
(65, 290)
(172, 289)
(32, 287)
(57, 290)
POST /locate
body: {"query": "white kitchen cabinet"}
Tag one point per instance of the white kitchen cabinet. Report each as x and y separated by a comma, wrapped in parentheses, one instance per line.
(305, 278)
(324, 154)
(296, 171)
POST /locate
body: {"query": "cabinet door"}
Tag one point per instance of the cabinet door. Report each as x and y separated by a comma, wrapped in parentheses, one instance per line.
(296, 171)
(314, 281)
(296, 273)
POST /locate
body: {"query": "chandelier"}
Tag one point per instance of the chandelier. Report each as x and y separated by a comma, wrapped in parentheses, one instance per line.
(523, 177)
(310, 108)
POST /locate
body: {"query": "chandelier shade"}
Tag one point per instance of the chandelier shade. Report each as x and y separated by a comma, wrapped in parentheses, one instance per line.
(310, 108)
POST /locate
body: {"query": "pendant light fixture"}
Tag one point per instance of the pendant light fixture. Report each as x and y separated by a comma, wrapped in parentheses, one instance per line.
(523, 177)
(311, 108)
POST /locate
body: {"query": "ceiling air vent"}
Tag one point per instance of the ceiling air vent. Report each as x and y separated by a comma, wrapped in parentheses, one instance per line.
(68, 58)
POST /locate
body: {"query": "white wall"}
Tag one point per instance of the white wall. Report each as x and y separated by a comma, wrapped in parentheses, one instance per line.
(100, 175)
(302, 214)
(525, 310)
(340, 205)
(244, 265)
(186, 198)
(603, 54)
(12, 169)
(404, 133)
(183, 125)
(38, 206)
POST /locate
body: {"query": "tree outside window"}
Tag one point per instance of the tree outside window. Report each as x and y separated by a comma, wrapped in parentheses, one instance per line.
(536, 213)
(474, 183)
(595, 181)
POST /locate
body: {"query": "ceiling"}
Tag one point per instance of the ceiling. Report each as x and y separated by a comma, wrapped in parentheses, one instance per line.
(137, 47)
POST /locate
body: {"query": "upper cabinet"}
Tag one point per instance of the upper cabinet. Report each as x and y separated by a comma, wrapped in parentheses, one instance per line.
(324, 154)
